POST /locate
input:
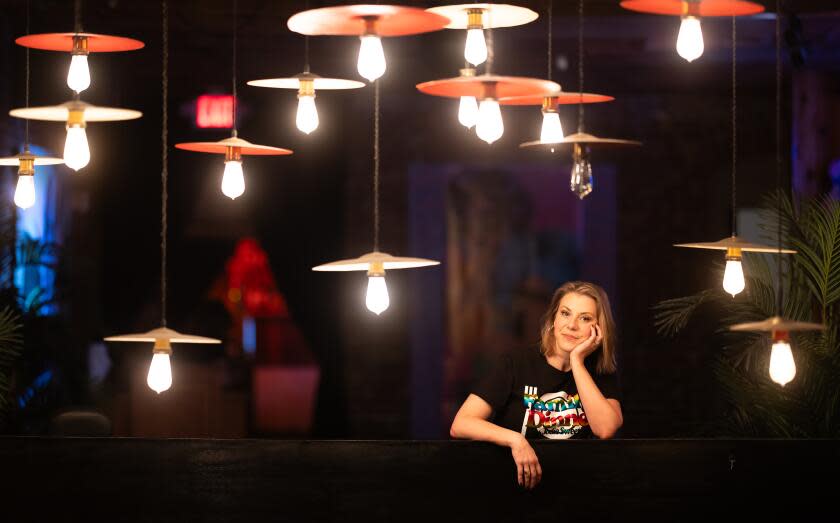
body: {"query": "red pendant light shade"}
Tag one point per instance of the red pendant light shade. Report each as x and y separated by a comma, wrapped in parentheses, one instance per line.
(64, 42)
(695, 8)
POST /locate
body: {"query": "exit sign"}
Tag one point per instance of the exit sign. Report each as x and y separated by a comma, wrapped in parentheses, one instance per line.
(214, 111)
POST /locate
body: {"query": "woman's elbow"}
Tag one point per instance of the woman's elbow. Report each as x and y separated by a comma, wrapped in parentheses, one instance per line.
(455, 429)
(606, 432)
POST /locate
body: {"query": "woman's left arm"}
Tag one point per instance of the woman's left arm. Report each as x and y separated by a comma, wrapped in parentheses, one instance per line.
(603, 414)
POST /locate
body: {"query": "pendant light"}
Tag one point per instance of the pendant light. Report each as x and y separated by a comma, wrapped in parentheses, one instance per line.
(475, 18)
(552, 129)
(376, 263)
(581, 182)
(782, 366)
(159, 377)
(370, 23)
(306, 84)
(690, 38)
(733, 277)
(79, 44)
(468, 105)
(77, 114)
(488, 89)
(233, 178)
(26, 161)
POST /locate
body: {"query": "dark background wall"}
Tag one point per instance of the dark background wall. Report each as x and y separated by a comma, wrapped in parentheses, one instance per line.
(315, 206)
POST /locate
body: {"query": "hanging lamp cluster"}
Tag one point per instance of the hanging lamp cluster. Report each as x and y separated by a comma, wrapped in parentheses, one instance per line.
(782, 366)
(77, 114)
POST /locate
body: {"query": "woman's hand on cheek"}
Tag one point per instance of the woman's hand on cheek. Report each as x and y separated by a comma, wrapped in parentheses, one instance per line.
(589, 344)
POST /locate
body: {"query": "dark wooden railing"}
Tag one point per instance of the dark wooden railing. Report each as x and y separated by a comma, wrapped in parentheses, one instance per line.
(112, 480)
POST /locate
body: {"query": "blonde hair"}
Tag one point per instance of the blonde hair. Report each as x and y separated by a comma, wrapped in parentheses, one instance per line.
(606, 352)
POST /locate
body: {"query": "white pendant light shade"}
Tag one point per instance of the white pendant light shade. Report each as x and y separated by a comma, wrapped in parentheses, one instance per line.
(371, 63)
(690, 39)
(363, 263)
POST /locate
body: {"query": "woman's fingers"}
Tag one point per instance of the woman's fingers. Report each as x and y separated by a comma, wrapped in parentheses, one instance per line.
(520, 474)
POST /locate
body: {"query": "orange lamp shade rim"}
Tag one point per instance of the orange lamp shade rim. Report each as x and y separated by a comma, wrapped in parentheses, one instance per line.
(222, 146)
(558, 98)
(703, 8)
(319, 83)
(493, 15)
(505, 86)
(581, 138)
(96, 43)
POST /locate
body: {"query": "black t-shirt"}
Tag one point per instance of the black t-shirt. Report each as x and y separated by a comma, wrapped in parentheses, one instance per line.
(525, 391)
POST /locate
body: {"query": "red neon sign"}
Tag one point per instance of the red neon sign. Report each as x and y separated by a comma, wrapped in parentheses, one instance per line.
(214, 111)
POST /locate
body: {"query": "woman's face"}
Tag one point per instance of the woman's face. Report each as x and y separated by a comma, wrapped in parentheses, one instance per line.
(574, 320)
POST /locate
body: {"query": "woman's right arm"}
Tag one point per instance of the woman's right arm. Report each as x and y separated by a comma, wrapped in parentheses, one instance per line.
(471, 423)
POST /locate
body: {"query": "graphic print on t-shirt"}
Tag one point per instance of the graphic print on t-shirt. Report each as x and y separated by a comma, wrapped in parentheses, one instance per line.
(555, 415)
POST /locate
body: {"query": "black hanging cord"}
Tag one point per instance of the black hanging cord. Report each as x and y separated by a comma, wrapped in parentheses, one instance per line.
(580, 65)
(550, 5)
(734, 118)
(376, 164)
(77, 16)
(491, 52)
(235, 100)
(26, 125)
(164, 173)
(306, 54)
(780, 302)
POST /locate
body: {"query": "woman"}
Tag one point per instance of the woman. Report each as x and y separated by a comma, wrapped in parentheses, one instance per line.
(566, 389)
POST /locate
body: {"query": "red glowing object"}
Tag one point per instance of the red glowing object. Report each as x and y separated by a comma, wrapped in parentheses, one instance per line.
(214, 111)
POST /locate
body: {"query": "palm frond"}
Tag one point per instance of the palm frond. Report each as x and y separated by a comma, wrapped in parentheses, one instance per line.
(671, 316)
(11, 344)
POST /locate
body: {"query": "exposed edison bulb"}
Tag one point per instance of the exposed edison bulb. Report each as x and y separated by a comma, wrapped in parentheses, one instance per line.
(782, 366)
(552, 130)
(25, 191)
(376, 298)
(160, 372)
(475, 50)
(468, 111)
(78, 77)
(733, 276)
(371, 62)
(307, 114)
(233, 181)
(489, 126)
(76, 150)
(581, 181)
(690, 39)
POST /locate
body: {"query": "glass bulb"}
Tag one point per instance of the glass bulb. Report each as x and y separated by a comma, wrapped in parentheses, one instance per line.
(371, 62)
(489, 126)
(733, 277)
(581, 182)
(551, 130)
(307, 114)
(468, 111)
(475, 50)
(377, 294)
(78, 77)
(690, 39)
(25, 191)
(76, 150)
(160, 373)
(233, 181)
(782, 367)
